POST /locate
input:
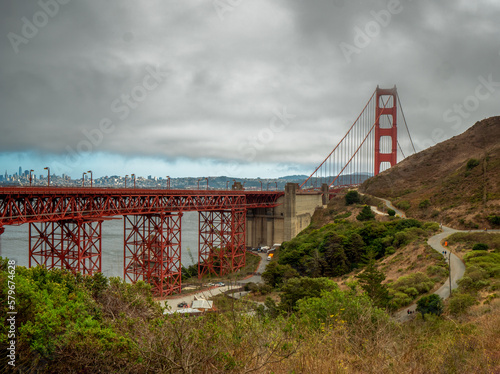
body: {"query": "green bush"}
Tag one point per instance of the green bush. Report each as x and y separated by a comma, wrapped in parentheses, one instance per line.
(352, 197)
(430, 304)
(424, 204)
(480, 247)
(403, 204)
(472, 163)
(431, 226)
(391, 212)
(494, 220)
(434, 270)
(399, 299)
(459, 303)
(366, 214)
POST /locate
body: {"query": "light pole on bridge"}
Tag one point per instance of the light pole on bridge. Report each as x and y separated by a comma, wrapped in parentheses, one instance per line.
(83, 179)
(168, 182)
(48, 175)
(133, 175)
(31, 176)
(260, 185)
(126, 180)
(91, 178)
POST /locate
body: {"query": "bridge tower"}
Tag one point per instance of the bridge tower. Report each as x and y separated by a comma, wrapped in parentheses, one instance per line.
(386, 126)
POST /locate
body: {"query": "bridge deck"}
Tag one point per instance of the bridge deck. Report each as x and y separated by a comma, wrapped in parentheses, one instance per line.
(20, 205)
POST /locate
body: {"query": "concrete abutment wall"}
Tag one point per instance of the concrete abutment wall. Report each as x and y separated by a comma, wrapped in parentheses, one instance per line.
(284, 222)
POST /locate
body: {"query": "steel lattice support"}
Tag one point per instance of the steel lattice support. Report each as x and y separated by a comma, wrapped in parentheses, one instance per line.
(74, 245)
(152, 251)
(392, 131)
(222, 241)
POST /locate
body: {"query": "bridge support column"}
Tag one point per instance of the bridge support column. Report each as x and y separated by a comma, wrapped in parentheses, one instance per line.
(222, 241)
(152, 251)
(73, 245)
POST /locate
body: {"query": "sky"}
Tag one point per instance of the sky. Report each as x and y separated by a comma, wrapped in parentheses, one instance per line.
(241, 88)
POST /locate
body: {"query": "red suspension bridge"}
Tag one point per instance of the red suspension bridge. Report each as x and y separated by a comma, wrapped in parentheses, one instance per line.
(65, 224)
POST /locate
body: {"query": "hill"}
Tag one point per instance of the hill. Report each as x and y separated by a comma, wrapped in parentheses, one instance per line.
(456, 182)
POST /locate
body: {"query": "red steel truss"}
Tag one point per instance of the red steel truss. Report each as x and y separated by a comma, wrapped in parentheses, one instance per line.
(65, 227)
(222, 242)
(152, 251)
(73, 244)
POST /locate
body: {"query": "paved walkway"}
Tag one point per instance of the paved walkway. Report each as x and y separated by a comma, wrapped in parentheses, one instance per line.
(208, 293)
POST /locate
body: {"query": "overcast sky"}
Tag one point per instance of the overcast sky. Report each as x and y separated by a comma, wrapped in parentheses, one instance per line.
(241, 88)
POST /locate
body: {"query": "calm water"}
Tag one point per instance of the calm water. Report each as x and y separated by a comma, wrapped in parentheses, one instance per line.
(14, 244)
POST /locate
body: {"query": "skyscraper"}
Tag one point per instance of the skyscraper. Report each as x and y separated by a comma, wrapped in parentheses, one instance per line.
(20, 171)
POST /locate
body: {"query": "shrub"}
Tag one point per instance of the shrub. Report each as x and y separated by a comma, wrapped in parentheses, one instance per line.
(494, 220)
(366, 214)
(403, 204)
(424, 204)
(352, 197)
(431, 226)
(430, 304)
(480, 247)
(472, 163)
(391, 212)
(459, 303)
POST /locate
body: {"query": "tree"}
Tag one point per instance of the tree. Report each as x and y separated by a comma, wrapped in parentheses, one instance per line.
(336, 261)
(352, 197)
(430, 304)
(366, 214)
(371, 282)
(300, 288)
(275, 274)
(391, 212)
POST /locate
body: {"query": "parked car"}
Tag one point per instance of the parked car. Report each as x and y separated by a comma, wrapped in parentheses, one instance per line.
(220, 284)
(182, 305)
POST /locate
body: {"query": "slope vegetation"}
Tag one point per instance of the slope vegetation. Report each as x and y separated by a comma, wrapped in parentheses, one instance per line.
(456, 182)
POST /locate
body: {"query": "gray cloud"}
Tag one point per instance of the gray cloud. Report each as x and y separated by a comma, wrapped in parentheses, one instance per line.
(222, 80)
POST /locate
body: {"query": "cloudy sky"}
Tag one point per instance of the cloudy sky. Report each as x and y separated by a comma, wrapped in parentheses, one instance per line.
(242, 88)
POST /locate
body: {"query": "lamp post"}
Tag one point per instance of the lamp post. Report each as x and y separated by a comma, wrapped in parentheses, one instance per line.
(260, 185)
(48, 175)
(227, 182)
(133, 175)
(168, 182)
(31, 176)
(91, 179)
(449, 269)
(207, 183)
(268, 183)
(126, 180)
(276, 186)
(83, 179)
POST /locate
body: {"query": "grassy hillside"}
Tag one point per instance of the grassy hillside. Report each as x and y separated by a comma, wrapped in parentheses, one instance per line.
(456, 182)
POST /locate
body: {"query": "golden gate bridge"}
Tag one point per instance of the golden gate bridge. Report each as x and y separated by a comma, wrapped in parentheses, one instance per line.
(65, 224)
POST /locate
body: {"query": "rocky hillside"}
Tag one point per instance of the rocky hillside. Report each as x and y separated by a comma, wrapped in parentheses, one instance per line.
(456, 182)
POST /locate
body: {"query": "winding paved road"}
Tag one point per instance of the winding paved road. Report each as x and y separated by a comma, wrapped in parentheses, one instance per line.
(457, 267)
